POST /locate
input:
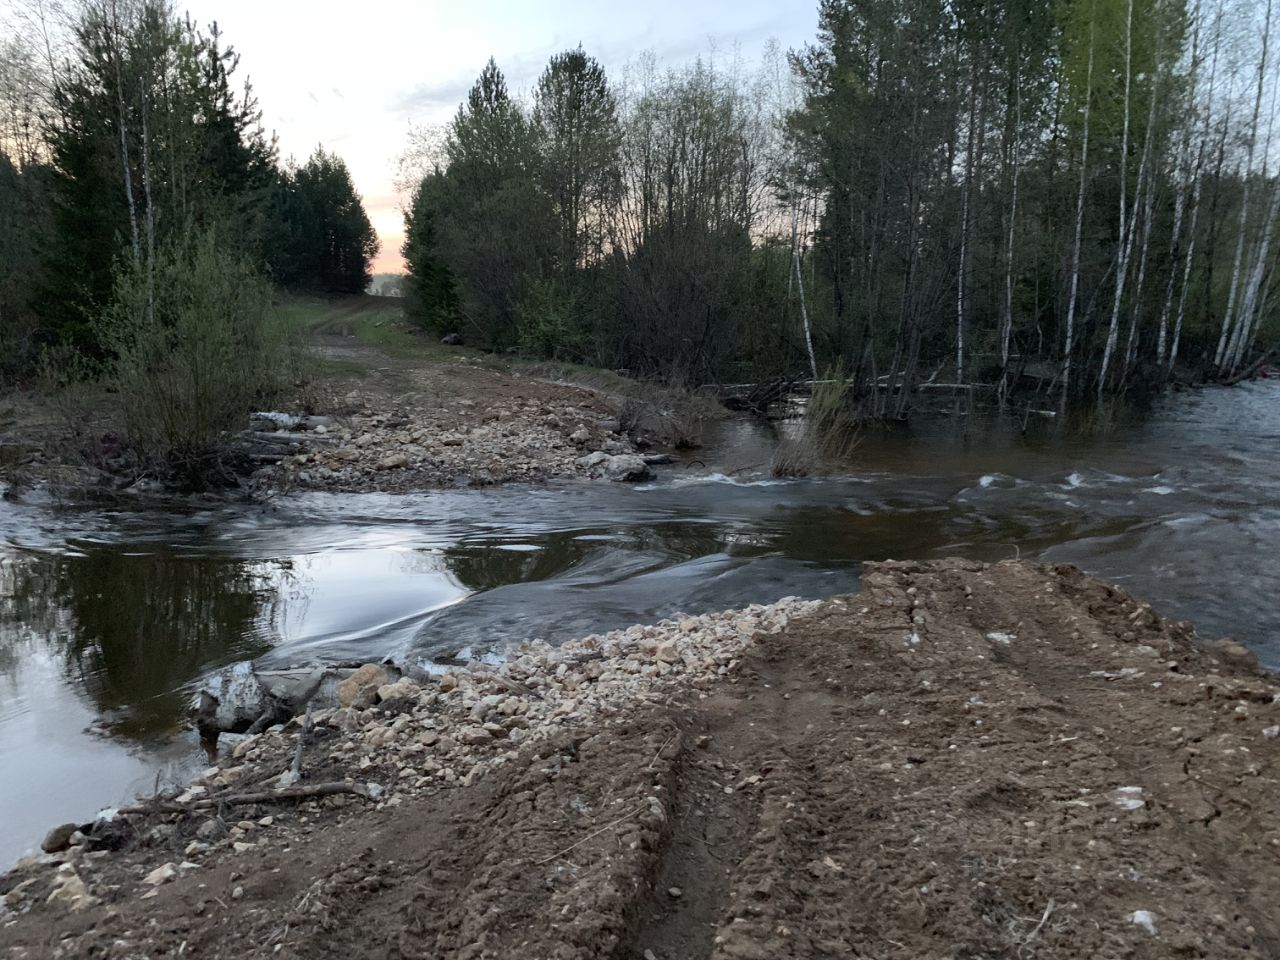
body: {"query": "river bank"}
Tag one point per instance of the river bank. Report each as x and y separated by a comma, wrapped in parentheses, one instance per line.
(962, 759)
(383, 408)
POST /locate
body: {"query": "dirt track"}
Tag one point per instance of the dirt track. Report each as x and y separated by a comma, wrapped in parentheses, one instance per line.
(961, 761)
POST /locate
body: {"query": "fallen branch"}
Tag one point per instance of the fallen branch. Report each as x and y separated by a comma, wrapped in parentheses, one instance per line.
(594, 833)
(266, 796)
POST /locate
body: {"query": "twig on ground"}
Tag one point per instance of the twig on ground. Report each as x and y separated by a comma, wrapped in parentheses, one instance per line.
(1040, 926)
(295, 771)
(594, 833)
(269, 796)
(660, 749)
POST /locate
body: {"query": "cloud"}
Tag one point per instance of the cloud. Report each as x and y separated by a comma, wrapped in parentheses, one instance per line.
(523, 69)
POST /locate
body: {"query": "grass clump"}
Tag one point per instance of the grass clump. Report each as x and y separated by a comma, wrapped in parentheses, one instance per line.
(828, 435)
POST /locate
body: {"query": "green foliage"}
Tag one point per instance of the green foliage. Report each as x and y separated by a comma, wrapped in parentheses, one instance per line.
(24, 229)
(195, 347)
(325, 241)
(575, 122)
(149, 140)
(431, 288)
(549, 325)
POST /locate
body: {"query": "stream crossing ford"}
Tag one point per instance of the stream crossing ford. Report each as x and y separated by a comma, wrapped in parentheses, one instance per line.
(110, 617)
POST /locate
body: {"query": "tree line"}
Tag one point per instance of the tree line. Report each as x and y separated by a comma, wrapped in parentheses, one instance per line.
(1077, 197)
(127, 143)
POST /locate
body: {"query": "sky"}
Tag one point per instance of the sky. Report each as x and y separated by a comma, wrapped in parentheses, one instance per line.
(353, 77)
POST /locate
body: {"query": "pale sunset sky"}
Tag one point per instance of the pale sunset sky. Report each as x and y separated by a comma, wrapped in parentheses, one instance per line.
(353, 76)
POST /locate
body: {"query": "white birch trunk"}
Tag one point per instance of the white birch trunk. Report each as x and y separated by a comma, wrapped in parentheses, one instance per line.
(124, 134)
(1006, 332)
(1250, 313)
(1122, 265)
(1229, 316)
(1075, 250)
(1180, 188)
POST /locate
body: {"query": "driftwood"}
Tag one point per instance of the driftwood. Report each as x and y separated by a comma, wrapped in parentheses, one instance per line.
(265, 796)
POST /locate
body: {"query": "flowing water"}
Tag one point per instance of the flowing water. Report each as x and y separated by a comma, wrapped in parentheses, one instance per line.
(109, 617)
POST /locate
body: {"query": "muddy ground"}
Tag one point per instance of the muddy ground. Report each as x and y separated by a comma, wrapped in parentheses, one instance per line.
(963, 760)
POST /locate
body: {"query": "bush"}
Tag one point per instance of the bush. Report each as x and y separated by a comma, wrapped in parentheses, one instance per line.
(195, 345)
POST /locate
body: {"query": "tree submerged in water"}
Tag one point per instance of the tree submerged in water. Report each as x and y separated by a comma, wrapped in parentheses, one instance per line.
(1034, 198)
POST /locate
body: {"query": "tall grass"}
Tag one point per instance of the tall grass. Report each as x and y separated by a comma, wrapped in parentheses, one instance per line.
(829, 434)
(194, 346)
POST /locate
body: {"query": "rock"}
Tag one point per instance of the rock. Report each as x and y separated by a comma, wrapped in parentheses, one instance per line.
(580, 436)
(59, 838)
(451, 340)
(1235, 652)
(242, 846)
(474, 736)
(191, 793)
(659, 459)
(448, 682)
(69, 891)
(402, 689)
(210, 830)
(360, 690)
(394, 462)
(667, 653)
(161, 874)
(627, 468)
(14, 897)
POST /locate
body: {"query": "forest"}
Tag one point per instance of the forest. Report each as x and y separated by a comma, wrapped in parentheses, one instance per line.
(1070, 198)
(128, 142)
(1076, 197)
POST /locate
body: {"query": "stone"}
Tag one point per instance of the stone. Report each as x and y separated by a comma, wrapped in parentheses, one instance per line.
(667, 653)
(1235, 652)
(161, 874)
(451, 340)
(15, 896)
(404, 688)
(242, 846)
(210, 830)
(59, 838)
(448, 682)
(394, 462)
(580, 436)
(627, 468)
(474, 736)
(70, 891)
(360, 690)
(593, 460)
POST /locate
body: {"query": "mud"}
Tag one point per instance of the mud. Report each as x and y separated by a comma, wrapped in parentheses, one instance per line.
(963, 760)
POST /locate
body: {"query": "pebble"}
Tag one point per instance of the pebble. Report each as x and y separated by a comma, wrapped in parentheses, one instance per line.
(161, 874)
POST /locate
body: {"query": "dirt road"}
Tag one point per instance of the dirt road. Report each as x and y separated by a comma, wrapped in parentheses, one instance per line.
(961, 761)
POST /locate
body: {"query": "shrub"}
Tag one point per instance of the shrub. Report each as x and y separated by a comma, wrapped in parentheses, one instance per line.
(194, 346)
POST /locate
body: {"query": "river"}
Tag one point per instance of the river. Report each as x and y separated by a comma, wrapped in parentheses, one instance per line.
(108, 617)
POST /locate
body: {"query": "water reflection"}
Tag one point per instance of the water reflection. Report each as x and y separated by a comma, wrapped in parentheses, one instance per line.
(130, 631)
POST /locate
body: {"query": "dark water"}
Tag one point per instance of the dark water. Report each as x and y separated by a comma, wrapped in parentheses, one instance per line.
(108, 617)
